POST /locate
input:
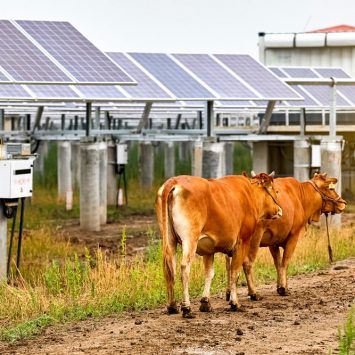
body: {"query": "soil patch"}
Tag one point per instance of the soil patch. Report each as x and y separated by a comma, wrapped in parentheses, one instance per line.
(306, 322)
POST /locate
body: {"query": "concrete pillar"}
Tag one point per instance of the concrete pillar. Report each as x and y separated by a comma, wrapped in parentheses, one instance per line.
(75, 163)
(103, 181)
(260, 157)
(64, 169)
(146, 164)
(331, 164)
(184, 151)
(196, 161)
(229, 149)
(89, 187)
(42, 152)
(169, 159)
(111, 175)
(301, 160)
(3, 245)
(213, 161)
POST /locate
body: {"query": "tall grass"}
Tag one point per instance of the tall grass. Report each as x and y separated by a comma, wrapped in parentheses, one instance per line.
(347, 334)
(69, 284)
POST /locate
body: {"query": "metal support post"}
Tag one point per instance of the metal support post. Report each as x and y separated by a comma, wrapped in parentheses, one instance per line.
(2, 119)
(3, 245)
(144, 121)
(333, 111)
(267, 117)
(209, 118)
(63, 121)
(97, 117)
(88, 118)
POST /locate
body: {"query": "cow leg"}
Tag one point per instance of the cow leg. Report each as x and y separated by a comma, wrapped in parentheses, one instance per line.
(228, 269)
(170, 275)
(188, 252)
(249, 263)
(237, 262)
(209, 274)
(275, 252)
(288, 252)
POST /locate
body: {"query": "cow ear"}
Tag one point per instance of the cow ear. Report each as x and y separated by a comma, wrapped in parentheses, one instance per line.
(244, 174)
(324, 175)
(272, 174)
(253, 173)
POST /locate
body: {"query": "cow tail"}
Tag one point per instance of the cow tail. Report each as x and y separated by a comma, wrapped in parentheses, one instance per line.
(167, 234)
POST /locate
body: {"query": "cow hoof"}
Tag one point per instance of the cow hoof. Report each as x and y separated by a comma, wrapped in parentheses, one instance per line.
(228, 295)
(235, 307)
(205, 305)
(255, 297)
(282, 291)
(187, 313)
(173, 309)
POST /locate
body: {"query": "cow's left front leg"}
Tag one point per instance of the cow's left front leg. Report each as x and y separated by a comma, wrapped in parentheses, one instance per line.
(236, 265)
(209, 274)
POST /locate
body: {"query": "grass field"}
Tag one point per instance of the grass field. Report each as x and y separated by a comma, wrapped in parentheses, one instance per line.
(62, 282)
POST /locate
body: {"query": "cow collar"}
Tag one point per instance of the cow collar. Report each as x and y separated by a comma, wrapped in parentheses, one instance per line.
(325, 198)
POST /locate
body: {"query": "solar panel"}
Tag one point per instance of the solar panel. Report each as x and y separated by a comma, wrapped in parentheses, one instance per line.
(96, 91)
(146, 87)
(257, 76)
(348, 91)
(172, 76)
(72, 50)
(13, 91)
(332, 73)
(215, 76)
(237, 103)
(23, 60)
(55, 91)
(308, 101)
(323, 94)
(3, 77)
(300, 72)
(278, 72)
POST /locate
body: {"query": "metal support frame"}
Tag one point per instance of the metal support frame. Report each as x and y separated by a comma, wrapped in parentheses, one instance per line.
(144, 121)
(267, 117)
(178, 120)
(302, 121)
(209, 118)
(88, 118)
(2, 119)
(38, 118)
(333, 110)
(62, 117)
(97, 117)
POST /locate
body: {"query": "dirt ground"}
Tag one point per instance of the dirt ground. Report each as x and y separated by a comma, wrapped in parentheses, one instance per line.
(306, 322)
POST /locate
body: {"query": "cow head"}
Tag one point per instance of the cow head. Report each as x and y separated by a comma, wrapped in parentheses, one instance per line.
(266, 196)
(331, 201)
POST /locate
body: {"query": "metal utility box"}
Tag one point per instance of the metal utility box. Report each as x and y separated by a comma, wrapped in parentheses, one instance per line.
(16, 176)
(122, 154)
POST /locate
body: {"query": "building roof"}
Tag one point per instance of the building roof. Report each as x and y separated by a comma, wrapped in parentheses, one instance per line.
(339, 28)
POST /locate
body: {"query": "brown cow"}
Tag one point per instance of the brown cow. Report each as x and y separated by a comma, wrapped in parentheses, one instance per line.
(301, 204)
(210, 216)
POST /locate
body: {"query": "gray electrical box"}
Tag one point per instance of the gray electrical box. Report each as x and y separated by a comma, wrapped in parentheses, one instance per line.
(16, 177)
(122, 154)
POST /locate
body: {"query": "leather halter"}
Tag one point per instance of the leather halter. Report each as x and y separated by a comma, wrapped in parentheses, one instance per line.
(326, 198)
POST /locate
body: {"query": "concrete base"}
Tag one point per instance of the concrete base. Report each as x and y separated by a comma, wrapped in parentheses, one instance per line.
(42, 155)
(111, 175)
(260, 157)
(103, 181)
(64, 170)
(229, 149)
(75, 164)
(3, 245)
(213, 163)
(89, 187)
(301, 160)
(331, 164)
(146, 164)
(196, 161)
(169, 160)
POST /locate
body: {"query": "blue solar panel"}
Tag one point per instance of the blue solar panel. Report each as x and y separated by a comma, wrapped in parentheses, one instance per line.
(332, 73)
(96, 91)
(278, 72)
(146, 87)
(257, 76)
(308, 101)
(215, 76)
(323, 94)
(72, 50)
(23, 60)
(55, 91)
(3, 77)
(300, 72)
(172, 76)
(348, 91)
(13, 91)
(237, 103)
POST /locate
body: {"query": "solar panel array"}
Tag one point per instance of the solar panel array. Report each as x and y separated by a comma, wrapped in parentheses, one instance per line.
(317, 95)
(44, 51)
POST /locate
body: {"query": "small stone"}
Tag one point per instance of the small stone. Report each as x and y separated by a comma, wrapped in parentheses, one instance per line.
(239, 331)
(296, 322)
(238, 339)
(251, 327)
(138, 322)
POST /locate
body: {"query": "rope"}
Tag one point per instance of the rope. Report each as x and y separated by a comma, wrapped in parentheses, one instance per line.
(330, 251)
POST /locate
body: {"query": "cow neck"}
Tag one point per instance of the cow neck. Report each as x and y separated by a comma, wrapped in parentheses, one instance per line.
(311, 201)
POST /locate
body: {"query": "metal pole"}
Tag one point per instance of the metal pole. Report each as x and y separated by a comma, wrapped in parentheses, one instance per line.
(38, 118)
(3, 244)
(302, 121)
(88, 118)
(2, 120)
(332, 111)
(63, 121)
(97, 117)
(209, 118)
(18, 260)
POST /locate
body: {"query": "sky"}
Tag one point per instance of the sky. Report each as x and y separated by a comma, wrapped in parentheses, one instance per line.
(183, 26)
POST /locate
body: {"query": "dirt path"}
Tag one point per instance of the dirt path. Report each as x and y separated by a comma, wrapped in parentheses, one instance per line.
(304, 323)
